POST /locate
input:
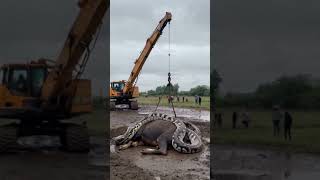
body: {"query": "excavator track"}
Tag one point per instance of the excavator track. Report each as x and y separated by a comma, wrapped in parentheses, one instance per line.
(8, 137)
(134, 105)
(76, 138)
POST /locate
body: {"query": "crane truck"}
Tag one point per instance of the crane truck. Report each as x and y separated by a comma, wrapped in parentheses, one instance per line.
(124, 92)
(40, 95)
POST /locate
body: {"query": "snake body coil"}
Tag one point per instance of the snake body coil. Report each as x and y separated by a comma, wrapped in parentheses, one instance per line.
(183, 130)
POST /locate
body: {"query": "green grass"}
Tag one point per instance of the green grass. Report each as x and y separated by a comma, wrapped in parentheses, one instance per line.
(305, 131)
(153, 100)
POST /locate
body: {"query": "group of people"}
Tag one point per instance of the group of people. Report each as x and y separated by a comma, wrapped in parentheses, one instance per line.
(277, 117)
(171, 98)
(245, 119)
(197, 99)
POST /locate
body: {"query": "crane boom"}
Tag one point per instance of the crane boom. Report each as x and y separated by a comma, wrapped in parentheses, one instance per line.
(77, 43)
(151, 41)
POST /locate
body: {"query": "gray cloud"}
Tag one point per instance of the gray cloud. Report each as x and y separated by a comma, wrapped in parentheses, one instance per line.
(257, 41)
(132, 22)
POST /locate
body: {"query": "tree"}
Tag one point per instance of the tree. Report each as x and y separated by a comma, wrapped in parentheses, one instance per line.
(215, 79)
(286, 91)
(202, 90)
(152, 93)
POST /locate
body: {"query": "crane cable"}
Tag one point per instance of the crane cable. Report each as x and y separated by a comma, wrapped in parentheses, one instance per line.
(169, 85)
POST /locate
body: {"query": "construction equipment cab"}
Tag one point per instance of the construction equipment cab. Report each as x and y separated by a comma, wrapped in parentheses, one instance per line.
(40, 94)
(123, 92)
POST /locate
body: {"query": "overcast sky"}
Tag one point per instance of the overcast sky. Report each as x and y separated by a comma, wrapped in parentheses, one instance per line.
(257, 41)
(38, 28)
(132, 22)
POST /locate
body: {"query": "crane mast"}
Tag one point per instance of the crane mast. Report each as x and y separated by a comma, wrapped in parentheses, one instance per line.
(151, 41)
(77, 43)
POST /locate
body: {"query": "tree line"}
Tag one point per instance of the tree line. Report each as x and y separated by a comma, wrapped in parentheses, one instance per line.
(200, 90)
(296, 92)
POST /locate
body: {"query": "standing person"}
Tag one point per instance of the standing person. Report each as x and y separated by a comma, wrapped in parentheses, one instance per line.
(219, 120)
(196, 99)
(287, 125)
(183, 99)
(178, 99)
(234, 120)
(215, 119)
(276, 117)
(199, 100)
(245, 119)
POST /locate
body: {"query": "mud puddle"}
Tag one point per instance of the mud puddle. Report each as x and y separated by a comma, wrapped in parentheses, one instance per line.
(194, 114)
(241, 163)
(172, 166)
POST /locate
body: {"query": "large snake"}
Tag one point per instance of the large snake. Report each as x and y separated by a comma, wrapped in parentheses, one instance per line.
(184, 129)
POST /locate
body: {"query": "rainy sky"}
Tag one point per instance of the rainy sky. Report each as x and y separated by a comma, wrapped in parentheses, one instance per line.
(258, 41)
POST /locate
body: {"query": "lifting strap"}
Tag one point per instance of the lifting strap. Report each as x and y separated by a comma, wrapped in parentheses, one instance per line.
(169, 85)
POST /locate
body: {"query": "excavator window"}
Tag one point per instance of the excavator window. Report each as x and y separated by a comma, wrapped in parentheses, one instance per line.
(18, 81)
(118, 86)
(1, 76)
(38, 76)
(24, 81)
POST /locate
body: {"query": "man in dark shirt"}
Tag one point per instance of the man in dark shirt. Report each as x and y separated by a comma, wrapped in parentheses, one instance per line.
(287, 125)
(234, 120)
(219, 120)
(20, 86)
(276, 118)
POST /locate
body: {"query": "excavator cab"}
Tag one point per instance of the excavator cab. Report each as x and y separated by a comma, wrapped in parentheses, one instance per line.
(118, 86)
(23, 80)
(20, 88)
(119, 97)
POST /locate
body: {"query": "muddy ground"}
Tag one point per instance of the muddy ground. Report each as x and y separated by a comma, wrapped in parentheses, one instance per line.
(50, 163)
(131, 164)
(249, 163)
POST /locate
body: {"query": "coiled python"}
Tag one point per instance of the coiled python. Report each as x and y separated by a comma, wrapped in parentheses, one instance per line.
(185, 139)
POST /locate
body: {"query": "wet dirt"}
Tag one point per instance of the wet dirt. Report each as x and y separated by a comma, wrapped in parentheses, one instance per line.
(130, 163)
(192, 114)
(41, 159)
(247, 163)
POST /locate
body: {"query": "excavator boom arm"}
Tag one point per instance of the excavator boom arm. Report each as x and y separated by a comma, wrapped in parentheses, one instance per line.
(151, 41)
(78, 41)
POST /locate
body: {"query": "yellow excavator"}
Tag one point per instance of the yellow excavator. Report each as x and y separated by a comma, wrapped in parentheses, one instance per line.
(41, 94)
(123, 92)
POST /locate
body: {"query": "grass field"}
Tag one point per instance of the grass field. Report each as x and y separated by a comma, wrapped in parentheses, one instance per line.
(97, 122)
(153, 100)
(305, 131)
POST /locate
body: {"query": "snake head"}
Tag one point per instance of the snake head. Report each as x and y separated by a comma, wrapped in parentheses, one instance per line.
(119, 139)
